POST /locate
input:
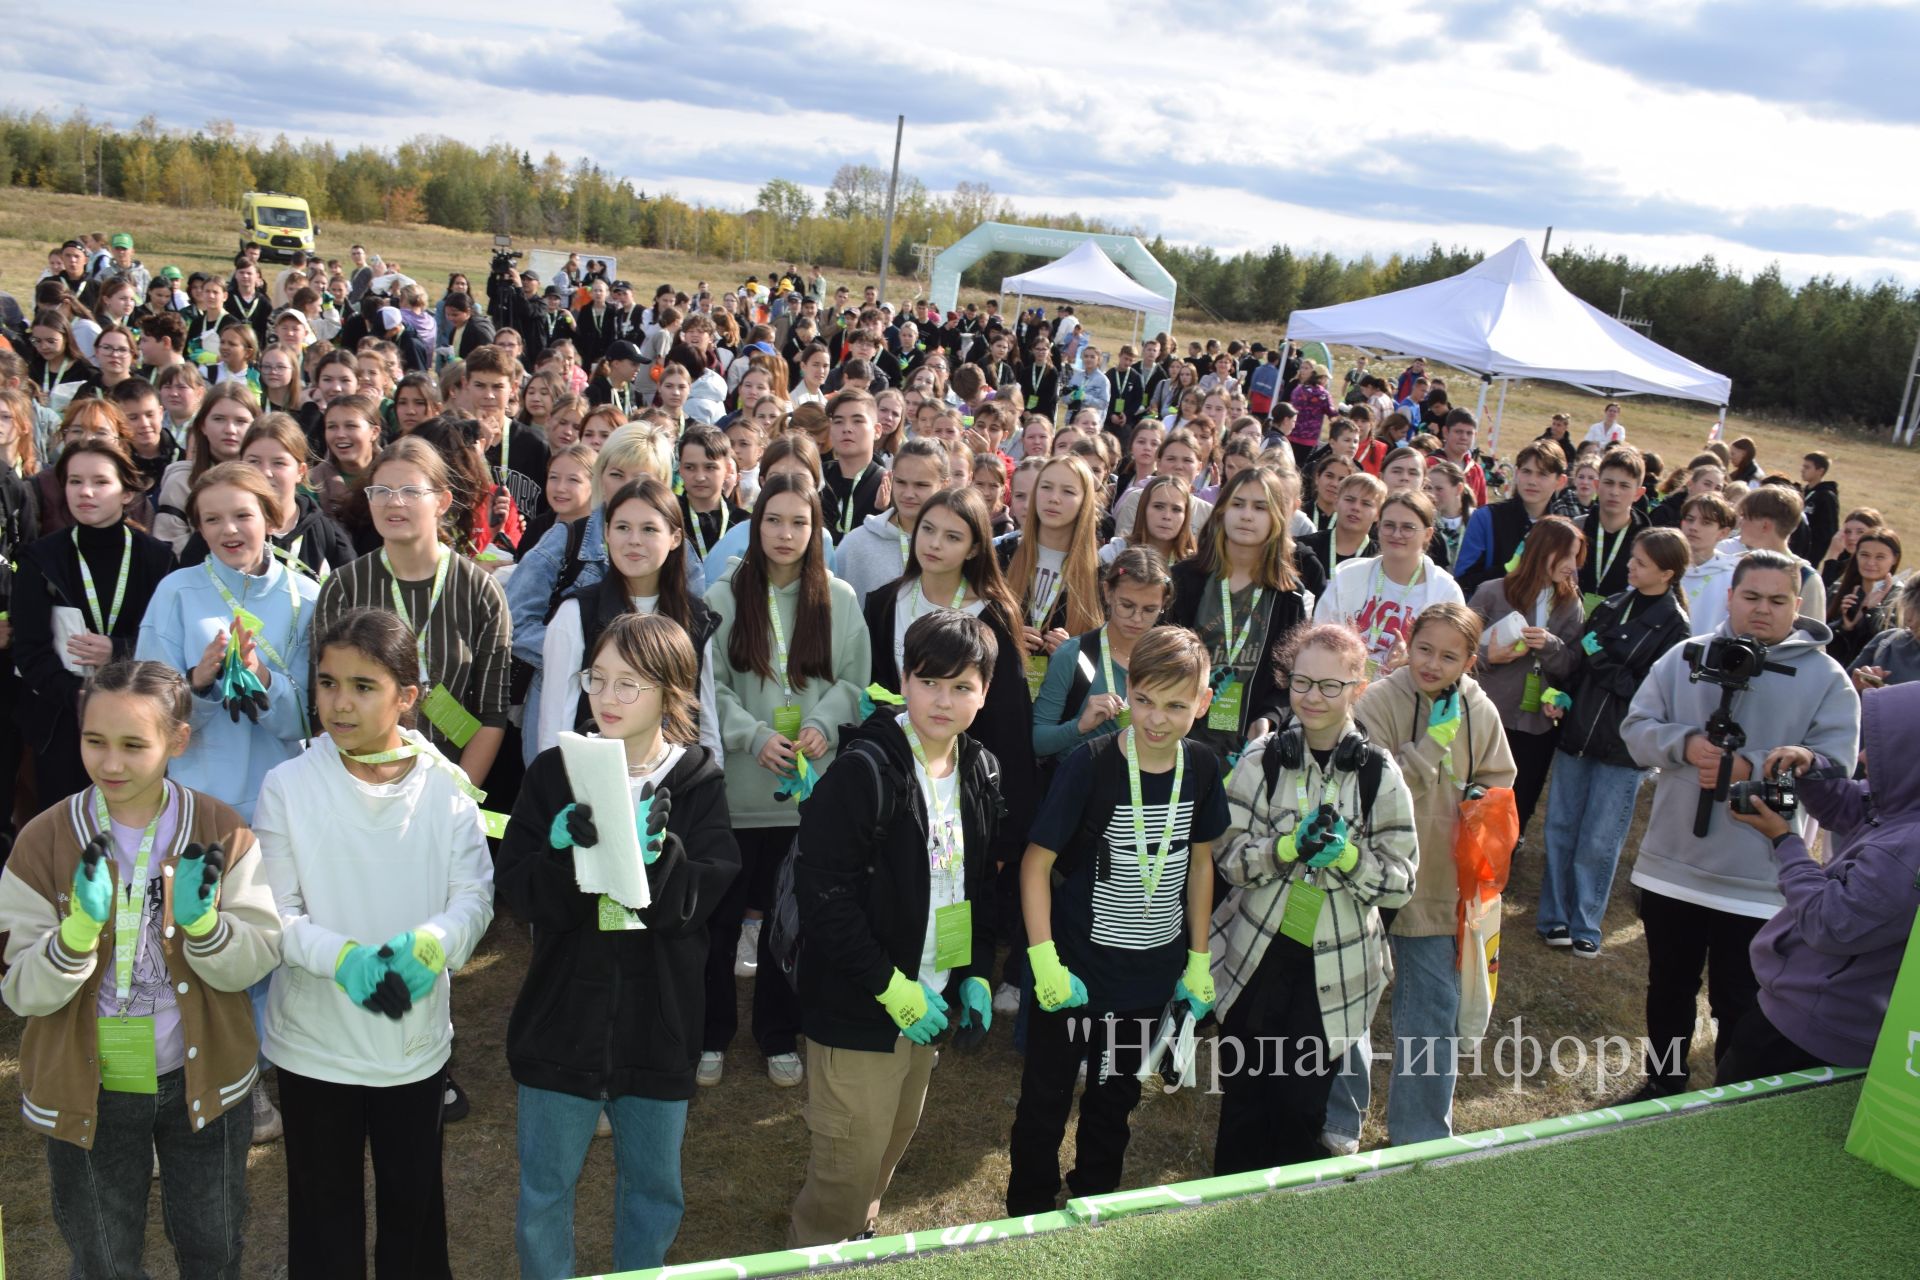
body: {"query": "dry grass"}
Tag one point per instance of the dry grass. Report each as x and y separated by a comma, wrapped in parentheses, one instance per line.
(746, 1146)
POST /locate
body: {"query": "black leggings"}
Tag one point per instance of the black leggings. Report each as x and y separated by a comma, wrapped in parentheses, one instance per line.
(776, 1009)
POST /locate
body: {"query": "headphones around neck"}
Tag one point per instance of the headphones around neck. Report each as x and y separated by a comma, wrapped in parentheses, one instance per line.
(1349, 754)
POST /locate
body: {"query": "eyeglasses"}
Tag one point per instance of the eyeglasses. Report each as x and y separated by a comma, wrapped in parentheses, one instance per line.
(625, 692)
(406, 493)
(1128, 609)
(1327, 688)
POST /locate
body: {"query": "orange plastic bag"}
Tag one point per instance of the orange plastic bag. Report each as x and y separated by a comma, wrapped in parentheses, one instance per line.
(1483, 844)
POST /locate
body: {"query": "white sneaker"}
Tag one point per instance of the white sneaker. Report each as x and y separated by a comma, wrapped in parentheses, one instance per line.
(712, 1067)
(786, 1069)
(1006, 999)
(603, 1127)
(1340, 1146)
(746, 955)
(266, 1117)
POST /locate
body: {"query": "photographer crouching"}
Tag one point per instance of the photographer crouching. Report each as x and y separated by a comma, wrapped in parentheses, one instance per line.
(1826, 963)
(1707, 716)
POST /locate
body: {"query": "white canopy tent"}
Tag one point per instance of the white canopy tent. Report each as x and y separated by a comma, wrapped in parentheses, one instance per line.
(1510, 318)
(1084, 275)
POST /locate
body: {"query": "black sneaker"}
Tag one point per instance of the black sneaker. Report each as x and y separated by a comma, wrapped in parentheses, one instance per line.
(1557, 936)
(1586, 949)
(453, 1100)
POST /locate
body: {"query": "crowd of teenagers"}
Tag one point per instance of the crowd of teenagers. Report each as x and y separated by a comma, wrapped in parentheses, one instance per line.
(963, 675)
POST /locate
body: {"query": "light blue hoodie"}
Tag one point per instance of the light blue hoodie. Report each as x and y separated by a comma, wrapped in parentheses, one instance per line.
(224, 759)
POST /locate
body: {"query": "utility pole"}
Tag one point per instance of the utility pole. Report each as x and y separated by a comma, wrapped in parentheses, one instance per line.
(893, 188)
(1620, 312)
(1546, 244)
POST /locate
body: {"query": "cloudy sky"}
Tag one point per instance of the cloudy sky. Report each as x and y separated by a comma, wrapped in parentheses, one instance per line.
(1755, 130)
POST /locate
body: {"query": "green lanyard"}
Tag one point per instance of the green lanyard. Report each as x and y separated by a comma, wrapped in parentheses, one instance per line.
(1236, 644)
(129, 914)
(779, 642)
(1106, 660)
(293, 596)
(937, 816)
(853, 492)
(1608, 557)
(913, 604)
(699, 540)
(106, 620)
(400, 607)
(409, 749)
(906, 552)
(622, 399)
(1151, 871)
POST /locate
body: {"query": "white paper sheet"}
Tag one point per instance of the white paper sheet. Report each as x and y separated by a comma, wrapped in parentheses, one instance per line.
(69, 622)
(597, 773)
(1506, 632)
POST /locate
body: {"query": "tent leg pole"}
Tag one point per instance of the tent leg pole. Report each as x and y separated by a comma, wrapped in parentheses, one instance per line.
(1499, 412)
(1719, 425)
(1481, 406)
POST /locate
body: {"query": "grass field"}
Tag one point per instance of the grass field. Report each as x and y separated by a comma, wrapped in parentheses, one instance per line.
(1756, 1188)
(746, 1144)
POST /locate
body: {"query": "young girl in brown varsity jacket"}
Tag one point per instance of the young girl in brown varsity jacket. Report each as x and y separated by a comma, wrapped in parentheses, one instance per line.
(136, 917)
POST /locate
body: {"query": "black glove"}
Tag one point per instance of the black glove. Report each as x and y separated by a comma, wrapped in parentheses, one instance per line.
(572, 826)
(657, 811)
(391, 996)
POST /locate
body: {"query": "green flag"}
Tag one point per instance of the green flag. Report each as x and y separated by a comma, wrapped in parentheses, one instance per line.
(1886, 1124)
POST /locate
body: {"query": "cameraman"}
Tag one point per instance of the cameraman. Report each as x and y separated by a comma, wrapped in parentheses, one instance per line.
(1702, 900)
(1826, 963)
(507, 303)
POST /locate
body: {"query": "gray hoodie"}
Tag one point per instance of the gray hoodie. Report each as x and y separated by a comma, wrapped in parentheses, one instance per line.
(1732, 869)
(870, 556)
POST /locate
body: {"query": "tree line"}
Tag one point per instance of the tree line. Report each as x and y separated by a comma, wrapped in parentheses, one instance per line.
(1828, 349)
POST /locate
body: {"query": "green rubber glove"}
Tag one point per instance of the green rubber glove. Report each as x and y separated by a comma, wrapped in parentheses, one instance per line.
(418, 958)
(369, 982)
(1053, 986)
(976, 1014)
(1325, 839)
(1556, 698)
(196, 887)
(91, 901)
(572, 826)
(1286, 848)
(1196, 984)
(915, 1008)
(1443, 722)
(1590, 644)
(650, 813)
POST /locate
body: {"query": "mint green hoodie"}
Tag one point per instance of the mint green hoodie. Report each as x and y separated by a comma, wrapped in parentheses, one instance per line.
(746, 701)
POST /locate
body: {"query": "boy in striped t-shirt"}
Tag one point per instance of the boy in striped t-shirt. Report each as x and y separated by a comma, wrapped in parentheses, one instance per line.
(1129, 824)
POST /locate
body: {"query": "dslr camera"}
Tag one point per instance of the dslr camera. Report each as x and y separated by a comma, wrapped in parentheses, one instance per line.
(1730, 662)
(505, 261)
(1778, 794)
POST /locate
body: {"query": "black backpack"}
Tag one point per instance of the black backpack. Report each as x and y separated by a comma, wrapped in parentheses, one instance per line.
(784, 942)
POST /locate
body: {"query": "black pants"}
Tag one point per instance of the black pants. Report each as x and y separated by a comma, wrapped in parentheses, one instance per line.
(1532, 757)
(1272, 1113)
(776, 1009)
(1683, 939)
(1057, 1043)
(1757, 1048)
(328, 1129)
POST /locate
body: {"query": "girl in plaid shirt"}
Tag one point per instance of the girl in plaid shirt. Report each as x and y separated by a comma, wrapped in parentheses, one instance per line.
(1299, 952)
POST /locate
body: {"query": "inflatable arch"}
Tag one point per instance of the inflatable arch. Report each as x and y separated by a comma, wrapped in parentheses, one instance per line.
(1004, 237)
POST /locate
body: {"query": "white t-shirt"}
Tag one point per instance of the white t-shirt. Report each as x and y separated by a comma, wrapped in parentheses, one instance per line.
(1601, 433)
(1048, 583)
(913, 603)
(1361, 595)
(945, 885)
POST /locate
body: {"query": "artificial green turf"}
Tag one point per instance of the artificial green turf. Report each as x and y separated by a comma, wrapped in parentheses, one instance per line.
(1754, 1189)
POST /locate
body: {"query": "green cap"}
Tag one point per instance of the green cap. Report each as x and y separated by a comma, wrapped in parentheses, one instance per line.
(171, 273)
(123, 241)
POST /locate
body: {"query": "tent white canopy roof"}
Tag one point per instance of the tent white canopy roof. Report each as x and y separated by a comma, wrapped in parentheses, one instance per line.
(1509, 317)
(1085, 275)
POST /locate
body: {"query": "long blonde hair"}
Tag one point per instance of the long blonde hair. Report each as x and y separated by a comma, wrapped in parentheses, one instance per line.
(1080, 573)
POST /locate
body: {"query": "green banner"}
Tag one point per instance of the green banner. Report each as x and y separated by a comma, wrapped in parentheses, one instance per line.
(1886, 1124)
(1187, 1195)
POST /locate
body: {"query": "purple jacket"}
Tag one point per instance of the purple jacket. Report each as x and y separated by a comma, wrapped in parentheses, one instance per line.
(1827, 961)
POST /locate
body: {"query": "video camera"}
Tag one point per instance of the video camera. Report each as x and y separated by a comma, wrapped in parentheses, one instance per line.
(506, 258)
(1731, 663)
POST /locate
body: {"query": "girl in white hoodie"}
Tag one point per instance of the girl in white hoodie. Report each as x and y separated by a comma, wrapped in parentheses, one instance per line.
(371, 835)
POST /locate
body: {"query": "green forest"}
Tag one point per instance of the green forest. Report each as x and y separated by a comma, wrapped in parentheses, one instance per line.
(1828, 349)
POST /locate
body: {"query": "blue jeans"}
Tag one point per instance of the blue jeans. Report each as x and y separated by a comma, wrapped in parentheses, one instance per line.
(1589, 808)
(1426, 1005)
(100, 1195)
(555, 1131)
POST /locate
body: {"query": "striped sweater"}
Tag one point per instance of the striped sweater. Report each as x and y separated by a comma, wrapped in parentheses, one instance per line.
(467, 636)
